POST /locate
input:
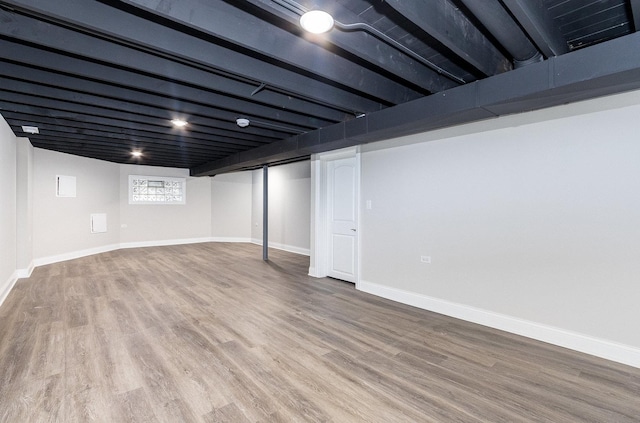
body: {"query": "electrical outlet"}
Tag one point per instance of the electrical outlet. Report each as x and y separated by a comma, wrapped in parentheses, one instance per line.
(425, 259)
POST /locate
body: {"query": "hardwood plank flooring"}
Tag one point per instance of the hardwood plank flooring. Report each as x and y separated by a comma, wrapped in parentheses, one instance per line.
(211, 333)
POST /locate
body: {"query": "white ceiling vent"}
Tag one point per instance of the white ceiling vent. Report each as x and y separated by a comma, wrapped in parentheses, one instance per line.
(30, 129)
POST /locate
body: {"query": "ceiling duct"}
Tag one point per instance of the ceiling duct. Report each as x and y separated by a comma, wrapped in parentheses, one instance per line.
(501, 25)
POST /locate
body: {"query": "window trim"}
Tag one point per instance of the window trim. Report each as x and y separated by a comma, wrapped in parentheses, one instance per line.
(182, 181)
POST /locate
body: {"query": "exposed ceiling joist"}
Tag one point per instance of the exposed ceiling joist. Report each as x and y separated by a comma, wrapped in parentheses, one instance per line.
(72, 129)
(178, 80)
(18, 102)
(364, 45)
(447, 24)
(79, 101)
(120, 144)
(535, 19)
(51, 118)
(594, 71)
(65, 86)
(114, 24)
(496, 19)
(223, 21)
(20, 114)
(117, 155)
(635, 12)
(94, 73)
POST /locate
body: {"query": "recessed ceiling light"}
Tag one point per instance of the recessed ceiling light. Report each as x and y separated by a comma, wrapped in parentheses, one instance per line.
(179, 123)
(316, 21)
(242, 122)
(136, 153)
(30, 129)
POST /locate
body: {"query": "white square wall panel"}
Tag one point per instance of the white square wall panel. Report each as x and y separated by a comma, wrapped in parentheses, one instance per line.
(98, 223)
(65, 186)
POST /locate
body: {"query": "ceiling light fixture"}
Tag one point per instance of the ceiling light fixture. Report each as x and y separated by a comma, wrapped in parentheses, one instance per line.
(30, 129)
(179, 123)
(242, 122)
(136, 153)
(316, 21)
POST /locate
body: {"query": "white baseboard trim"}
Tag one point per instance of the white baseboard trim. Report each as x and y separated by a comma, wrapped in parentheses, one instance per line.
(230, 239)
(164, 242)
(602, 348)
(313, 272)
(25, 273)
(74, 255)
(284, 247)
(7, 286)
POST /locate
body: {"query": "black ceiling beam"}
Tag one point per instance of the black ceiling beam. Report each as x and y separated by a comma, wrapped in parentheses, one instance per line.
(17, 120)
(22, 114)
(365, 46)
(184, 108)
(150, 36)
(268, 105)
(115, 157)
(91, 135)
(599, 70)
(91, 141)
(169, 88)
(223, 21)
(142, 110)
(533, 16)
(22, 103)
(449, 26)
(493, 16)
(105, 146)
(297, 122)
(62, 103)
(103, 149)
(635, 12)
(25, 115)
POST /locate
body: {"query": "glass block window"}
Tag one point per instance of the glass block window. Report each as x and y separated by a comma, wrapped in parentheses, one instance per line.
(156, 190)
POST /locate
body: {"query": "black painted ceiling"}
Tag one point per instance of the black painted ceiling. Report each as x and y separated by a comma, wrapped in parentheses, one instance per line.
(103, 78)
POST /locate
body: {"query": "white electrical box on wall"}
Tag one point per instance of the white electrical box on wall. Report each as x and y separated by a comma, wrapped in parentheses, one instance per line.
(98, 223)
(65, 186)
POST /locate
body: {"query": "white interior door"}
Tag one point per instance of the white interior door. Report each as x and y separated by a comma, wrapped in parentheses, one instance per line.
(342, 215)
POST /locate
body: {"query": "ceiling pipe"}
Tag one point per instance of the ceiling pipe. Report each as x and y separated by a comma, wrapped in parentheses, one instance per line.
(359, 26)
(300, 10)
(501, 25)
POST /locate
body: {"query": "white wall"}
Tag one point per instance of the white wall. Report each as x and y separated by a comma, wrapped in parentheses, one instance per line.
(7, 209)
(231, 206)
(289, 206)
(532, 223)
(150, 224)
(61, 226)
(37, 228)
(24, 206)
(218, 208)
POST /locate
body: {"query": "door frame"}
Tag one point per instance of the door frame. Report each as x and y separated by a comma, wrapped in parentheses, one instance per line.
(319, 254)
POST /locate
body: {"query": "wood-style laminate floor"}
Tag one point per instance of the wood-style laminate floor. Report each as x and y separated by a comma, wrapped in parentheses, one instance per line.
(211, 333)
